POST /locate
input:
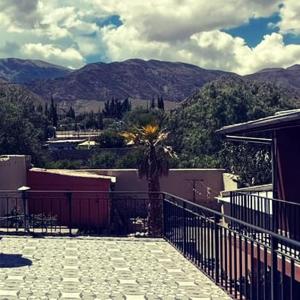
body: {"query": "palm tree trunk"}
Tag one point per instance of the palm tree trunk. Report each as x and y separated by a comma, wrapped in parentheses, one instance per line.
(154, 208)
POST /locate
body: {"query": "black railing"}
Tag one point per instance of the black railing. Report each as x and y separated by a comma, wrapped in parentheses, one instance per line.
(248, 261)
(272, 214)
(74, 212)
(246, 267)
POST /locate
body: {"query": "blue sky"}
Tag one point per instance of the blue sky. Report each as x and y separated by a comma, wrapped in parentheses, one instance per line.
(255, 29)
(234, 35)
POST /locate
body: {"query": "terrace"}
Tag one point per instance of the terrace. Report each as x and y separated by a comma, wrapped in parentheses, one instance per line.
(246, 266)
(99, 268)
(252, 252)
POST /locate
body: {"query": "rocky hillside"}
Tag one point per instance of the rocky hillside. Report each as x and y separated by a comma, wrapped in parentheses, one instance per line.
(24, 70)
(133, 78)
(288, 78)
(17, 93)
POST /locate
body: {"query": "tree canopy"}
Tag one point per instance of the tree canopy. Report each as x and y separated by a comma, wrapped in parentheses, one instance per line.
(225, 101)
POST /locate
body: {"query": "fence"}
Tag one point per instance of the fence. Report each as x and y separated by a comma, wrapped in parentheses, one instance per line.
(272, 214)
(244, 266)
(74, 212)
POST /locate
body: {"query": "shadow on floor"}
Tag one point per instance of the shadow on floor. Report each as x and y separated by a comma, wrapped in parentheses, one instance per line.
(13, 261)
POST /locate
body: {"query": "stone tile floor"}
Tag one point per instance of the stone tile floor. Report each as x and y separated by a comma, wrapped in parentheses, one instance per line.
(99, 268)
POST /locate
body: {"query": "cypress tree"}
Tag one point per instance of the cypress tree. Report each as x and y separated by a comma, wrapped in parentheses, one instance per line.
(152, 105)
(160, 103)
(71, 113)
(53, 113)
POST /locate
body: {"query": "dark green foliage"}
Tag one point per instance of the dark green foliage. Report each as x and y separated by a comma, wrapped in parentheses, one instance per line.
(53, 116)
(64, 164)
(152, 104)
(110, 139)
(40, 108)
(103, 159)
(160, 103)
(141, 116)
(22, 130)
(223, 102)
(87, 121)
(130, 159)
(251, 162)
(71, 113)
(115, 108)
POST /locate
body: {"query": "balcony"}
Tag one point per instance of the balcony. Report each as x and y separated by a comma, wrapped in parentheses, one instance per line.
(247, 261)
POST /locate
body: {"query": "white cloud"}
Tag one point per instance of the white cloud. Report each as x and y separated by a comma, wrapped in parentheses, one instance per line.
(168, 20)
(66, 32)
(272, 52)
(48, 52)
(290, 17)
(210, 49)
(21, 13)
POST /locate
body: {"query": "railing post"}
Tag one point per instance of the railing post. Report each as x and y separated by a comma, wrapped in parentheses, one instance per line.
(274, 281)
(216, 229)
(184, 228)
(163, 215)
(69, 198)
(24, 190)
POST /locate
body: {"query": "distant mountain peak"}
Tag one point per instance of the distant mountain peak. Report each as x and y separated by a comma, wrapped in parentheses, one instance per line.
(135, 78)
(18, 70)
(295, 67)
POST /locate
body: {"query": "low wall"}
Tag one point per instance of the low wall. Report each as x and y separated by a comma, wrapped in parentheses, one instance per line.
(208, 183)
(13, 174)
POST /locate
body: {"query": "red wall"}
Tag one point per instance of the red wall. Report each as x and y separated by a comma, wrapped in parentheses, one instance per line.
(90, 202)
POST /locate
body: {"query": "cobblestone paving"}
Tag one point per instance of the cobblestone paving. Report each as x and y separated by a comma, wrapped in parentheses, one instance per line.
(99, 268)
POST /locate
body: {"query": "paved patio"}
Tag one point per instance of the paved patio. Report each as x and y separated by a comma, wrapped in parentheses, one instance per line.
(99, 268)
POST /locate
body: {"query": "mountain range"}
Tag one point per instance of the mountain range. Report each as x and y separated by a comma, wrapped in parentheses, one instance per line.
(134, 78)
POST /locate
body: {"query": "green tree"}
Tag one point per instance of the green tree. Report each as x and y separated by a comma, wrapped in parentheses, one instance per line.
(99, 120)
(223, 102)
(110, 139)
(103, 159)
(115, 108)
(71, 113)
(21, 131)
(53, 113)
(152, 104)
(160, 103)
(154, 164)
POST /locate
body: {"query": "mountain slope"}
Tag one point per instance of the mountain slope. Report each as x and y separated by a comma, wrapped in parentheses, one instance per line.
(133, 78)
(18, 93)
(23, 70)
(288, 78)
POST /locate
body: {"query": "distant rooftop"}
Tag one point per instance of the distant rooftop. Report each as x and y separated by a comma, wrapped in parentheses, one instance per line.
(74, 173)
(280, 120)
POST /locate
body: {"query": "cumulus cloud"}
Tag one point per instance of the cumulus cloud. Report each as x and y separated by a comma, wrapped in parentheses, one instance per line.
(69, 32)
(290, 16)
(211, 49)
(22, 13)
(54, 54)
(168, 20)
(10, 47)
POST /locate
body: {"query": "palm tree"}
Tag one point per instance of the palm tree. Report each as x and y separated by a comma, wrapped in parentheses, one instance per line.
(153, 165)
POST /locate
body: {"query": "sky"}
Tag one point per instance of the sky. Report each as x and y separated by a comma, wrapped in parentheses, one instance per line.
(241, 36)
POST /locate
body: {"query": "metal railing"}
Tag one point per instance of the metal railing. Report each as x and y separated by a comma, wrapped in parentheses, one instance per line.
(74, 212)
(275, 215)
(251, 264)
(246, 267)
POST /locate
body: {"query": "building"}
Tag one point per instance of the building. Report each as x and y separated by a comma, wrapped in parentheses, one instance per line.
(284, 132)
(272, 211)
